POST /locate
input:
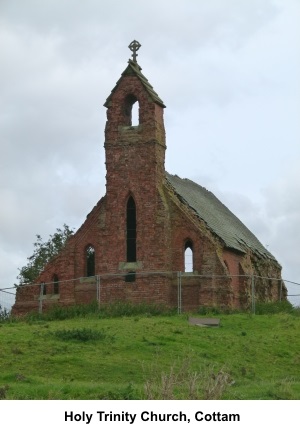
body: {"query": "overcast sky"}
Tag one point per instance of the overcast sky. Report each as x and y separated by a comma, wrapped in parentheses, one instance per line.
(228, 72)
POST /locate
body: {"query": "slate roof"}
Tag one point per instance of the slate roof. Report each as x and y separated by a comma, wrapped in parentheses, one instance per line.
(217, 217)
(133, 69)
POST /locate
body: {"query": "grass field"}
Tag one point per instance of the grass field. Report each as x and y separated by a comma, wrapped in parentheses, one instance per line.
(142, 354)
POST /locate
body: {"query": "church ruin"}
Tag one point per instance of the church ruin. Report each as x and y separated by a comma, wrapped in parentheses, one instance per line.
(133, 245)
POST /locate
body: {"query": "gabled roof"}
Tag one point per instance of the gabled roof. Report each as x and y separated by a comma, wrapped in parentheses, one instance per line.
(133, 69)
(217, 217)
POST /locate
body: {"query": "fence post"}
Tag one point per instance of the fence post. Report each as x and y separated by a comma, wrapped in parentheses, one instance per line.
(280, 294)
(41, 297)
(253, 294)
(179, 292)
(98, 289)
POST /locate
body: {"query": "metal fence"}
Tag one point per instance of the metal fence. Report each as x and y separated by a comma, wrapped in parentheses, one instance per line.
(7, 298)
(189, 291)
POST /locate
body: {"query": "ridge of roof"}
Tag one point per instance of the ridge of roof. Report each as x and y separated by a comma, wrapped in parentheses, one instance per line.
(217, 217)
(134, 69)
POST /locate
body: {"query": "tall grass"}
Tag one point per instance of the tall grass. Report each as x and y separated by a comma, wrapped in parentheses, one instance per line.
(121, 309)
(182, 381)
(261, 308)
(112, 310)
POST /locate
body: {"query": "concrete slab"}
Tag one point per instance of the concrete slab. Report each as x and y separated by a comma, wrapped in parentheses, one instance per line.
(205, 322)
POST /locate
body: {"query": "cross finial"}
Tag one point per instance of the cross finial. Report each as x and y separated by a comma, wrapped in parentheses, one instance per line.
(134, 47)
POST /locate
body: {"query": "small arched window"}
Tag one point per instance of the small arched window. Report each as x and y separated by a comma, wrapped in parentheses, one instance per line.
(131, 111)
(131, 230)
(188, 257)
(55, 284)
(90, 260)
(135, 116)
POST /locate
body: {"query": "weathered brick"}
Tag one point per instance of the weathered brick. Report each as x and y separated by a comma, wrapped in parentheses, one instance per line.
(135, 158)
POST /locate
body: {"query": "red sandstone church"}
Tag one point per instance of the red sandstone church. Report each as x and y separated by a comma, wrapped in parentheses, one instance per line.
(132, 245)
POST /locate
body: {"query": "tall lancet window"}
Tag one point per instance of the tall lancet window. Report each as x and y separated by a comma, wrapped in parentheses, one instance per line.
(90, 260)
(131, 230)
(55, 284)
(188, 257)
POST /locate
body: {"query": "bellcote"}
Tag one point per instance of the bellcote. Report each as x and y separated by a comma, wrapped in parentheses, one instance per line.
(133, 87)
(134, 70)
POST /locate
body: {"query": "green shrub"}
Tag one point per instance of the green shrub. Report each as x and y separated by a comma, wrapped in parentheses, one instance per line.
(60, 313)
(266, 308)
(261, 308)
(82, 335)
(4, 314)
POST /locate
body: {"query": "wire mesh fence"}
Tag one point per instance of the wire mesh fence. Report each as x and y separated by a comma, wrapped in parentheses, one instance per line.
(184, 290)
(7, 298)
(293, 292)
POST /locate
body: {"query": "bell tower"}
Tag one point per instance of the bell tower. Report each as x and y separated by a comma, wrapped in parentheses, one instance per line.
(134, 151)
(135, 161)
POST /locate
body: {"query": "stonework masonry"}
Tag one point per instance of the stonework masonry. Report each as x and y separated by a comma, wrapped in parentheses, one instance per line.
(163, 220)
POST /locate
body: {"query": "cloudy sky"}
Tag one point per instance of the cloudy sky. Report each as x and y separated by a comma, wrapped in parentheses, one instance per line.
(228, 72)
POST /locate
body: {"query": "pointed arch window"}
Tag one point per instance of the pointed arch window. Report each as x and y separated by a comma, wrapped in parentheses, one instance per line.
(188, 257)
(131, 230)
(131, 110)
(55, 284)
(90, 260)
(135, 120)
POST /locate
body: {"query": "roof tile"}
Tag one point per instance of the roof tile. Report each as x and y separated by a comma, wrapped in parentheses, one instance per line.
(218, 218)
(133, 69)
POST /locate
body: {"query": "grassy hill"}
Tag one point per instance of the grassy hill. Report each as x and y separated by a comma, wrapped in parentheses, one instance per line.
(127, 352)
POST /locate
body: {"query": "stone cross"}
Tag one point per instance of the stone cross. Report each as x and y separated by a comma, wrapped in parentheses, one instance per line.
(134, 47)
